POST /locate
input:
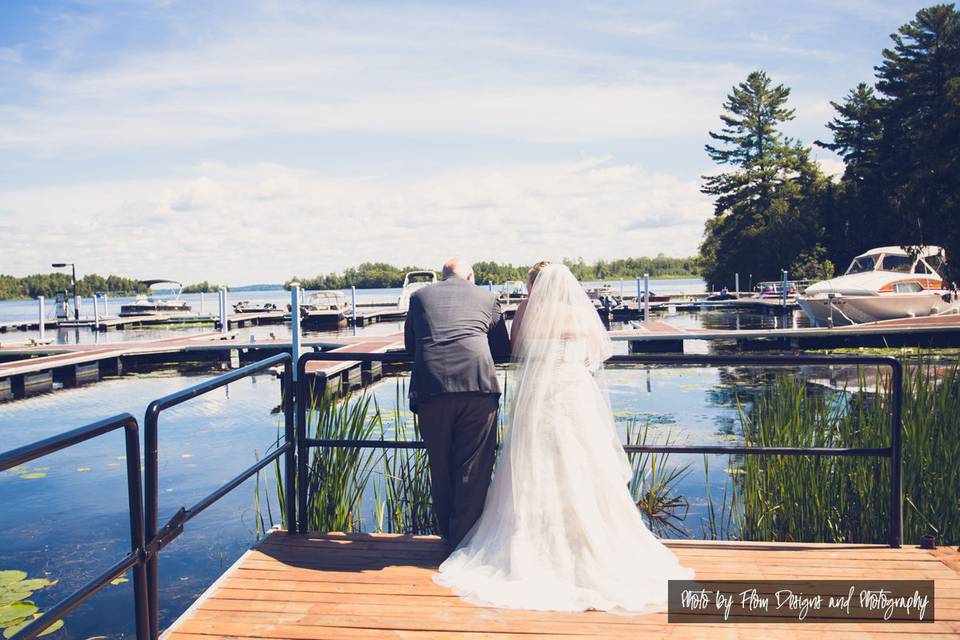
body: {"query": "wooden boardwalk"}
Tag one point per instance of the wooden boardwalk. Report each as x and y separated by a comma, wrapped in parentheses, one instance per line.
(373, 586)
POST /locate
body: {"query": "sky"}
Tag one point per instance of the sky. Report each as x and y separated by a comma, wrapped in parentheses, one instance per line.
(247, 142)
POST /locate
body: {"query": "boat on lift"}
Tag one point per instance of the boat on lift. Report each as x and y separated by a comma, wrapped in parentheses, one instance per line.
(324, 309)
(151, 304)
(885, 283)
(411, 282)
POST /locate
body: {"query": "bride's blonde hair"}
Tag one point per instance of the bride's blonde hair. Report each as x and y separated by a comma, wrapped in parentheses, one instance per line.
(534, 272)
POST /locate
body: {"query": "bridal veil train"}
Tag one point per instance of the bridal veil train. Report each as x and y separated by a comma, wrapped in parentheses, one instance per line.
(559, 529)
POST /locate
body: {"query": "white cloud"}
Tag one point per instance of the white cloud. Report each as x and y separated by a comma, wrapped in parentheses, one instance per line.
(252, 223)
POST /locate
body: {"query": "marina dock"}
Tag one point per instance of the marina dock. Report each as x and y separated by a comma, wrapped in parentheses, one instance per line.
(359, 586)
(930, 331)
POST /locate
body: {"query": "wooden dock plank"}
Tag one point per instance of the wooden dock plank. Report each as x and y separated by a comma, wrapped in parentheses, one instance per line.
(359, 586)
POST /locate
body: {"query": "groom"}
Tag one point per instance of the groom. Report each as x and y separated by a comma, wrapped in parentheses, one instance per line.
(455, 332)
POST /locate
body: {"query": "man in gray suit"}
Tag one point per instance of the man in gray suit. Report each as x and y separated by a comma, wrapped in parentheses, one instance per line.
(455, 332)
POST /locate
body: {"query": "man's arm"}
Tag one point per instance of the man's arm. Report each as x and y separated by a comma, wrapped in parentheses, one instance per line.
(409, 337)
(497, 336)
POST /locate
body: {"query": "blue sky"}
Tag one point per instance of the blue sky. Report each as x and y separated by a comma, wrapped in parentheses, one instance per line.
(250, 141)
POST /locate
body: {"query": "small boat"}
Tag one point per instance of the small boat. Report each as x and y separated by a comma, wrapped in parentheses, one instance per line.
(151, 305)
(327, 308)
(885, 283)
(723, 294)
(245, 306)
(513, 291)
(774, 291)
(411, 282)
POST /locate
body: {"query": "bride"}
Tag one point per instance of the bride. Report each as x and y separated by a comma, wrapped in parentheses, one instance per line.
(559, 529)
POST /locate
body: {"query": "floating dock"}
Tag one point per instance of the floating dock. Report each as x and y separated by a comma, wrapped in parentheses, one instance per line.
(929, 332)
(373, 586)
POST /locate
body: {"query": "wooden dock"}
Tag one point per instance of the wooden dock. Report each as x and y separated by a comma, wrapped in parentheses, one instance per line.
(375, 586)
(931, 331)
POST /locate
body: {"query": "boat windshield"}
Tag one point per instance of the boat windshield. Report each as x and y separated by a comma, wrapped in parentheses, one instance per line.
(862, 264)
(900, 264)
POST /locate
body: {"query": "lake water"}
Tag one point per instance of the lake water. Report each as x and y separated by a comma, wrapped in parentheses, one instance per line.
(65, 516)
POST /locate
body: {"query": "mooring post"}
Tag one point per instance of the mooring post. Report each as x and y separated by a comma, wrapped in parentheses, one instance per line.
(295, 328)
(76, 307)
(40, 318)
(784, 288)
(353, 307)
(201, 302)
(96, 313)
(106, 301)
(646, 297)
(224, 322)
(736, 284)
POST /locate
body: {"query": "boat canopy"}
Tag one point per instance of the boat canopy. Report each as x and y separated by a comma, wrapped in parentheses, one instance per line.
(150, 283)
(923, 252)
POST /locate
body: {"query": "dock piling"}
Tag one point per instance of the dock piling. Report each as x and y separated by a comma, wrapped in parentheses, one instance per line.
(646, 297)
(736, 284)
(784, 288)
(41, 321)
(224, 321)
(96, 314)
(353, 307)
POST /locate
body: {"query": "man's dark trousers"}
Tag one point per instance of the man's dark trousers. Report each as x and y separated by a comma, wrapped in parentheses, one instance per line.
(460, 431)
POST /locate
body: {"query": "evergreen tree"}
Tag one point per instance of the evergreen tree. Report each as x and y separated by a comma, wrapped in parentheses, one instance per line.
(765, 213)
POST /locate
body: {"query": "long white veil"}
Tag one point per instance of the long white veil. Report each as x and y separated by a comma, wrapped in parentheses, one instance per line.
(560, 329)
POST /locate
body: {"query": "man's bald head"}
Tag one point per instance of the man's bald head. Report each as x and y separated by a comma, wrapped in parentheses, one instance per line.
(458, 267)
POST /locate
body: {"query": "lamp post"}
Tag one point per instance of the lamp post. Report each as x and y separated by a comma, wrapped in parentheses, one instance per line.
(73, 270)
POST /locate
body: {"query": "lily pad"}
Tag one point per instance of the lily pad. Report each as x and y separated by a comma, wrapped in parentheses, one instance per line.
(33, 476)
(17, 611)
(35, 584)
(10, 576)
(10, 631)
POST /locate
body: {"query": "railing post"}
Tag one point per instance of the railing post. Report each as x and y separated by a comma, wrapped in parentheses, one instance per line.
(289, 458)
(896, 480)
(138, 543)
(302, 452)
(151, 496)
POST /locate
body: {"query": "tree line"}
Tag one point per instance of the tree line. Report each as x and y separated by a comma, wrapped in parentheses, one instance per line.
(376, 275)
(50, 284)
(775, 209)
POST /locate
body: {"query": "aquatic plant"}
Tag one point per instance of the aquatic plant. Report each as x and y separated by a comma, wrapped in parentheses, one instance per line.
(846, 499)
(16, 608)
(654, 484)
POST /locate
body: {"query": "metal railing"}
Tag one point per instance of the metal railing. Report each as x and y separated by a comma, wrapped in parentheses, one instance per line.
(136, 559)
(147, 539)
(893, 451)
(160, 537)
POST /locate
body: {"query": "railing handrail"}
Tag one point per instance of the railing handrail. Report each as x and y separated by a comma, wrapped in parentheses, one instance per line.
(894, 451)
(135, 559)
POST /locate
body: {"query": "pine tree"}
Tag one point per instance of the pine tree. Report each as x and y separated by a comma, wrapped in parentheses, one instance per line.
(763, 215)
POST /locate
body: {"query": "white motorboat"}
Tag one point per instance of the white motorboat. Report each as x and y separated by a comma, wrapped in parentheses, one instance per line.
(513, 291)
(325, 308)
(151, 305)
(411, 282)
(882, 284)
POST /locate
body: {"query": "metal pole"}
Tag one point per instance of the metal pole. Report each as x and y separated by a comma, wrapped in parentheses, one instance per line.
(353, 307)
(224, 321)
(201, 302)
(736, 284)
(106, 301)
(76, 297)
(646, 297)
(896, 482)
(289, 458)
(295, 327)
(42, 324)
(96, 314)
(784, 288)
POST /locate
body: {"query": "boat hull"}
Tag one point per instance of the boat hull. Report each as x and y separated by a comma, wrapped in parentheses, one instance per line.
(845, 310)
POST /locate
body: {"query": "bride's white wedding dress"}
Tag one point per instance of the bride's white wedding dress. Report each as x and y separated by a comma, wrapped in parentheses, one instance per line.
(559, 529)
